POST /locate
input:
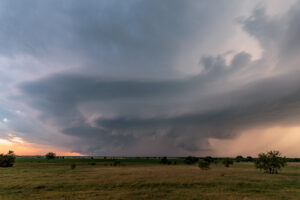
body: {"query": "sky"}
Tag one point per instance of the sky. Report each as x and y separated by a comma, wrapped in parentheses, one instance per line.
(150, 78)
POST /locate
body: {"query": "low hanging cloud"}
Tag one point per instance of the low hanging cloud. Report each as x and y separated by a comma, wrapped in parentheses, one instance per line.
(125, 124)
(111, 84)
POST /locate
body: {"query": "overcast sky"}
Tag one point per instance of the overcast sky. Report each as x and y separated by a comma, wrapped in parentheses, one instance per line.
(150, 78)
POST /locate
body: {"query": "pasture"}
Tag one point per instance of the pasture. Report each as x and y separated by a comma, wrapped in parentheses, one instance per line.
(97, 179)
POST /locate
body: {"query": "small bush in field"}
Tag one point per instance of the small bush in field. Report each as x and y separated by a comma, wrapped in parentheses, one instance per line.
(50, 155)
(227, 162)
(117, 163)
(165, 161)
(239, 159)
(73, 166)
(190, 160)
(270, 162)
(204, 164)
(8, 159)
(249, 159)
(209, 159)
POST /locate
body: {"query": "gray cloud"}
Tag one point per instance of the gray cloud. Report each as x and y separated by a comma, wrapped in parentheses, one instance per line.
(219, 115)
(110, 37)
(108, 75)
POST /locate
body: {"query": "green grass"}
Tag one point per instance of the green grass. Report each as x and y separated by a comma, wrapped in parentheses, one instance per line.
(143, 179)
(124, 161)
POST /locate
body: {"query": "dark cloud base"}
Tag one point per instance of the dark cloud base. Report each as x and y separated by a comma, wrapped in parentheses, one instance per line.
(110, 78)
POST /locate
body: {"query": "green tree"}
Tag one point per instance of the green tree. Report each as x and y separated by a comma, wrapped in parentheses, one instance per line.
(209, 159)
(239, 158)
(165, 161)
(190, 160)
(270, 162)
(50, 155)
(8, 159)
(204, 164)
(73, 166)
(249, 159)
(227, 162)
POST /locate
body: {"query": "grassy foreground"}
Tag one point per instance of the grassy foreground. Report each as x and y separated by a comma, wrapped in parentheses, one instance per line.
(146, 180)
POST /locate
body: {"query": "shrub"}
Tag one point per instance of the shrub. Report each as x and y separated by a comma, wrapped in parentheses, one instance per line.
(227, 162)
(217, 161)
(249, 159)
(8, 159)
(209, 159)
(239, 159)
(270, 162)
(190, 160)
(165, 161)
(73, 166)
(50, 155)
(117, 163)
(203, 164)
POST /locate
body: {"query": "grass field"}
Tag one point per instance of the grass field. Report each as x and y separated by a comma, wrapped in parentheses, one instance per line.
(143, 179)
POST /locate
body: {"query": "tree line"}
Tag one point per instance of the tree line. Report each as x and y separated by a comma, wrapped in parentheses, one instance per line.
(270, 162)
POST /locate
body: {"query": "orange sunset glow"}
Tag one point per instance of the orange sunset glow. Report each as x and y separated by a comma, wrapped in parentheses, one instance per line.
(21, 147)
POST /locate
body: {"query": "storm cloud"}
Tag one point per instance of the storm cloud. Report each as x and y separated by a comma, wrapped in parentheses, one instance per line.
(146, 77)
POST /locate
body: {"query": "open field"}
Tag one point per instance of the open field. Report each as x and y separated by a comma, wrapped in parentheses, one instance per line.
(143, 179)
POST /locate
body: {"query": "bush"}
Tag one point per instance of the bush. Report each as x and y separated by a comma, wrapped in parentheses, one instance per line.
(73, 166)
(203, 164)
(117, 163)
(8, 159)
(209, 159)
(227, 162)
(50, 155)
(165, 161)
(249, 159)
(190, 160)
(239, 159)
(270, 162)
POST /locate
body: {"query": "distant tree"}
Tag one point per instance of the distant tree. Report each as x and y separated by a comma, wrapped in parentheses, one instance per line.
(239, 158)
(270, 162)
(227, 162)
(50, 155)
(165, 161)
(217, 161)
(204, 164)
(8, 159)
(73, 166)
(190, 160)
(117, 163)
(209, 159)
(249, 159)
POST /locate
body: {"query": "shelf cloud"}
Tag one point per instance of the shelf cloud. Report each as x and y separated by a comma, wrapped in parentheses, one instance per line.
(146, 77)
